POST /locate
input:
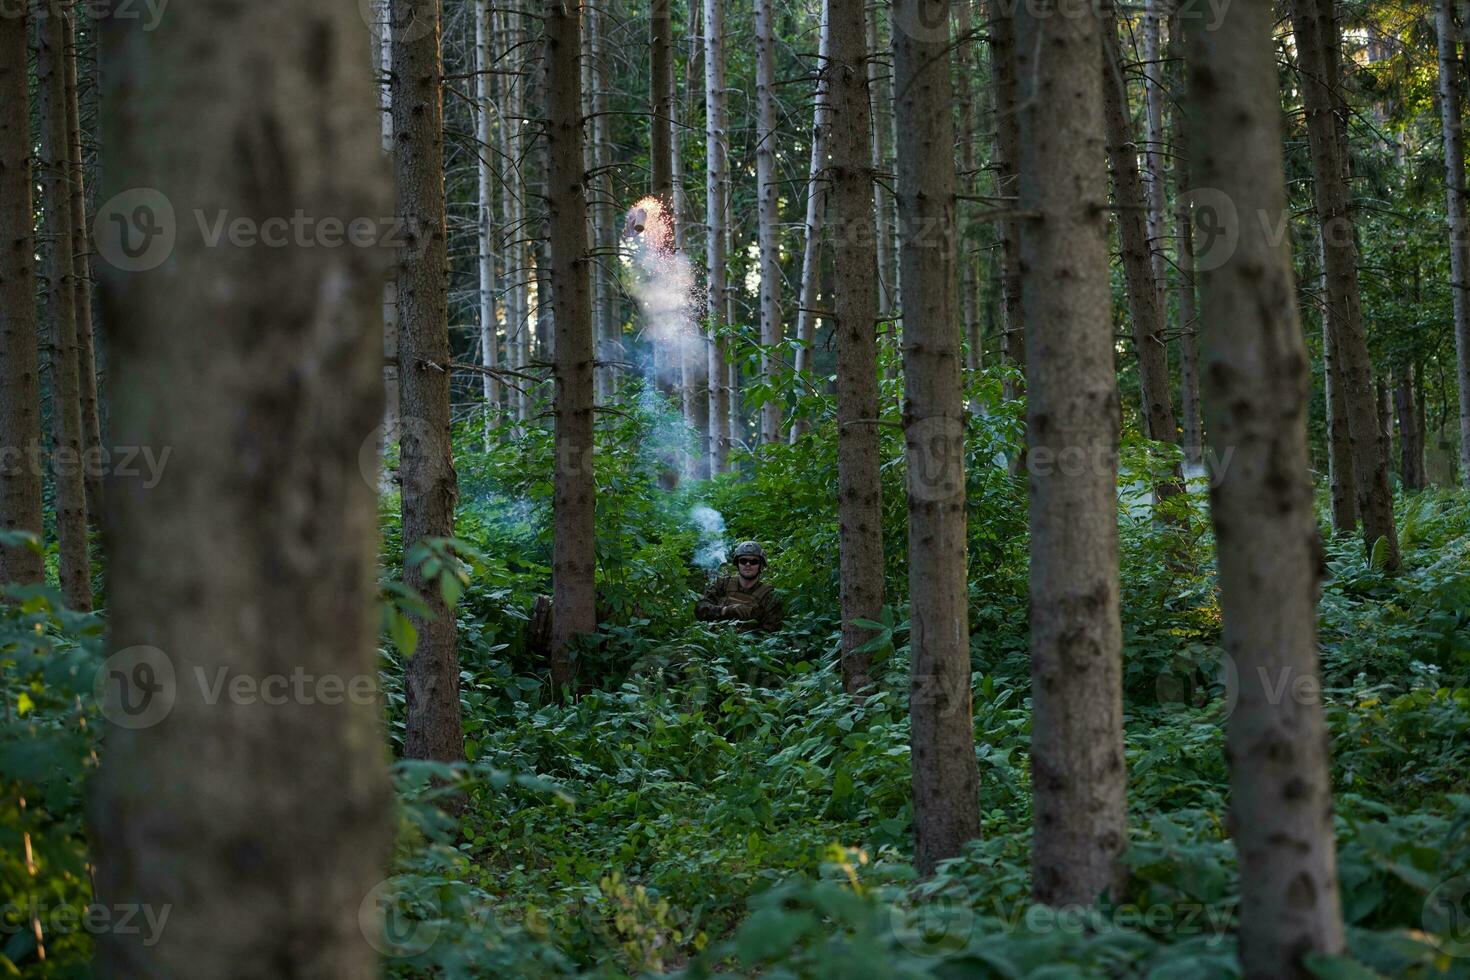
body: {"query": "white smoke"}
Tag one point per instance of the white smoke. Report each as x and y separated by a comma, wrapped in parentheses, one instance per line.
(663, 282)
(711, 552)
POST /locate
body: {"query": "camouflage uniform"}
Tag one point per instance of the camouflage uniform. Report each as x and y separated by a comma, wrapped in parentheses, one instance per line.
(727, 600)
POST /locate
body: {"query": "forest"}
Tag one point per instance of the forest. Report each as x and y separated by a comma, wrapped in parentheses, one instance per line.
(734, 488)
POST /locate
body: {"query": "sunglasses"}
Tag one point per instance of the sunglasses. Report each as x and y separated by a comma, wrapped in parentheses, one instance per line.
(747, 561)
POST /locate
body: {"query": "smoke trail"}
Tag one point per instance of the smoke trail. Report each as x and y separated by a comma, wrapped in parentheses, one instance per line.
(711, 552)
(662, 281)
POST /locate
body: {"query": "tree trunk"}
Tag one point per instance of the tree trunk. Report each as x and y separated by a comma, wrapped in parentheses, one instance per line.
(1072, 419)
(604, 222)
(489, 343)
(767, 192)
(817, 190)
(259, 820)
(20, 385)
(966, 68)
(855, 312)
(383, 70)
(1385, 417)
(1256, 383)
(1452, 120)
(1316, 42)
(1144, 308)
(1411, 445)
(52, 30)
(574, 555)
(82, 284)
(1189, 408)
(1342, 494)
(1007, 153)
(880, 101)
(426, 467)
(945, 778)
(1153, 138)
(693, 352)
(717, 189)
(660, 158)
(519, 269)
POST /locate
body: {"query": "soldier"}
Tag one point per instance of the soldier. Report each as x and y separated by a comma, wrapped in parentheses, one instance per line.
(743, 598)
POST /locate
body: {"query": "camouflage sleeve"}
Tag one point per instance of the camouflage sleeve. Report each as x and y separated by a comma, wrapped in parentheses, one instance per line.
(712, 606)
(772, 612)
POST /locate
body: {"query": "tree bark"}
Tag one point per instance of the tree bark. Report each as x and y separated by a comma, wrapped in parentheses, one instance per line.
(965, 70)
(855, 315)
(52, 29)
(717, 190)
(817, 191)
(1316, 42)
(82, 282)
(1257, 375)
(1452, 122)
(1144, 307)
(1154, 13)
(1342, 494)
(1411, 443)
(383, 70)
(603, 206)
(1072, 420)
(20, 384)
(1189, 407)
(488, 285)
(767, 216)
(426, 467)
(574, 555)
(880, 101)
(660, 158)
(693, 348)
(1007, 153)
(945, 778)
(263, 827)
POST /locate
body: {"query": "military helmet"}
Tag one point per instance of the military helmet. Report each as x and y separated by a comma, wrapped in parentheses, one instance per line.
(745, 548)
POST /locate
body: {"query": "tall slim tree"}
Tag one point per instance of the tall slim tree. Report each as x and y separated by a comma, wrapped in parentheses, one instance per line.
(1005, 157)
(1191, 433)
(716, 195)
(692, 348)
(426, 467)
(82, 280)
(855, 315)
(602, 204)
(1451, 109)
(945, 777)
(817, 192)
(966, 65)
(574, 558)
(1072, 418)
(767, 215)
(1257, 375)
(1342, 494)
(52, 29)
(1154, 16)
(254, 556)
(1145, 306)
(1315, 27)
(1411, 436)
(880, 102)
(20, 386)
(485, 171)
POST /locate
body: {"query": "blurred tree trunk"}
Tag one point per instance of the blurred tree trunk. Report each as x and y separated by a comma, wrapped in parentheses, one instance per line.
(260, 823)
(768, 190)
(20, 384)
(1257, 376)
(1072, 420)
(82, 283)
(818, 187)
(1145, 308)
(1316, 36)
(945, 778)
(717, 190)
(1006, 155)
(430, 486)
(1452, 122)
(52, 30)
(574, 558)
(488, 283)
(855, 316)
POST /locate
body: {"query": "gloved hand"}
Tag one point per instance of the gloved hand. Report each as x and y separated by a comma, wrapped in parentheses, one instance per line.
(737, 610)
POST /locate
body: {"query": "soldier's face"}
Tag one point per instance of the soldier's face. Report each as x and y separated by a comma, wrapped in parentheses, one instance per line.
(750, 568)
